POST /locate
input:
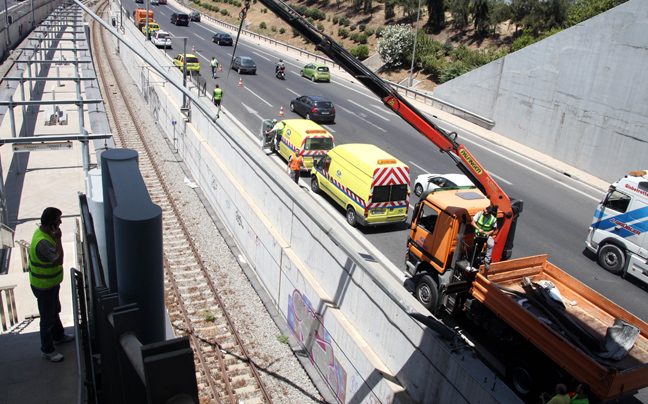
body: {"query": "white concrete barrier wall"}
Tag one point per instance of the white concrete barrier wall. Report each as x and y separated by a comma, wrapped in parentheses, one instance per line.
(578, 96)
(363, 343)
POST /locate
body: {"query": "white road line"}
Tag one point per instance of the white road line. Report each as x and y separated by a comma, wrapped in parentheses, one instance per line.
(261, 56)
(418, 166)
(258, 96)
(328, 128)
(533, 170)
(368, 110)
(294, 92)
(500, 179)
(359, 117)
(200, 37)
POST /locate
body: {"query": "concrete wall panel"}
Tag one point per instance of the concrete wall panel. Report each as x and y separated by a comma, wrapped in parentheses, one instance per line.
(579, 96)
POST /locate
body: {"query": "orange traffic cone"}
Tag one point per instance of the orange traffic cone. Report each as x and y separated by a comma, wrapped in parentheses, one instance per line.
(281, 110)
(220, 67)
(240, 81)
(193, 48)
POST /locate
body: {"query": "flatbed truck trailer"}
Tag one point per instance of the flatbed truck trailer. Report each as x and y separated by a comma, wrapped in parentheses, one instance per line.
(500, 288)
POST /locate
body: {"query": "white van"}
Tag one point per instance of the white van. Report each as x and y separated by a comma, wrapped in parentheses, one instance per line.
(618, 231)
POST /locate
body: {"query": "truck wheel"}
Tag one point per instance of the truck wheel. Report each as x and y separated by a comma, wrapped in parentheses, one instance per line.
(351, 217)
(427, 292)
(522, 379)
(418, 189)
(611, 258)
(315, 185)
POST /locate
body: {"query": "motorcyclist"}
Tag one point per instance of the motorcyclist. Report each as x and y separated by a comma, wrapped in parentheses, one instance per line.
(279, 66)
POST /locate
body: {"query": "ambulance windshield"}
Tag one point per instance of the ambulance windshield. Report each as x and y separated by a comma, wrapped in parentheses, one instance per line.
(319, 143)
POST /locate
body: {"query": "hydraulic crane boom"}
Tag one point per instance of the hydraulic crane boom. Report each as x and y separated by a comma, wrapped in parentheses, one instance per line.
(446, 142)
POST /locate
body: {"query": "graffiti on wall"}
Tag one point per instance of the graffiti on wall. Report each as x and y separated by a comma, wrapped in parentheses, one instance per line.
(306, 326)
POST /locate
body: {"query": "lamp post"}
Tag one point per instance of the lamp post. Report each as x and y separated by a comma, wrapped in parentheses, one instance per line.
(418, 14)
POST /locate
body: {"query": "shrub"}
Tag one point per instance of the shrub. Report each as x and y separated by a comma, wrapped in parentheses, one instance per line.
(448, 46)
(295, 32)
(396, 42)
(369, 31)
(434, 66)
(343, 32)
(353, 27)
(316, 13)
(301, 9)
(362, 38)
(224, 11)
(273, 28)
(262, 25)
(361, 52)
(320, 26)
(354, 37)
(379, 32)
(452, 71)
(335, 19)
(215, 9)
(347, 22)
(362, 27)
(389, 9)
(311, 20)
(282, 30)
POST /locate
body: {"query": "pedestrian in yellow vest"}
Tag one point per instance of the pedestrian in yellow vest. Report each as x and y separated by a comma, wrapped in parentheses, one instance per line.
(218, 95)
(45, 277)
(214, 65)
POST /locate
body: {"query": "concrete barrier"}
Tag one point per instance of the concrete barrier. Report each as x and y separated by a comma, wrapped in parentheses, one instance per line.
(347, 313)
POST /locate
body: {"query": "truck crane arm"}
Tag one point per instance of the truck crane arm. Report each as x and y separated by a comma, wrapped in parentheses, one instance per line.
(446, 142)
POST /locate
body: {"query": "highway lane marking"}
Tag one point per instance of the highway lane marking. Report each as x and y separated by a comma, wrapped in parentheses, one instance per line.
(359, 117)
(294, 92)
(200, 37)
(258, 96)
(261, 56)
(532, 169)
(368, 110)
(328, 128)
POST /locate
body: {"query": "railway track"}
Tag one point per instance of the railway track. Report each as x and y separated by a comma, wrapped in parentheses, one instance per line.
(225, 372)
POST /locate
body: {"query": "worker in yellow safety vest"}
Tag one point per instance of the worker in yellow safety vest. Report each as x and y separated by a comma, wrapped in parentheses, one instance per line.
(485, 224)
(218, 95)
(295, 163)
(45, 277)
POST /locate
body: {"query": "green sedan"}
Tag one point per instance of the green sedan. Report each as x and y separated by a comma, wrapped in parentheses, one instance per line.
(316, 72)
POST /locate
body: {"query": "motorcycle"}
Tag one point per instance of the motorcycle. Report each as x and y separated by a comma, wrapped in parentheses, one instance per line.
(281, 72)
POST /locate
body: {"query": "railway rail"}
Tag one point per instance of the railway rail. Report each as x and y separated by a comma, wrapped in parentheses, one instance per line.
(225, 371)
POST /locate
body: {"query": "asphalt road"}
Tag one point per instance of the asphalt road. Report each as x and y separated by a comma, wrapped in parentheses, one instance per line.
(557, 209)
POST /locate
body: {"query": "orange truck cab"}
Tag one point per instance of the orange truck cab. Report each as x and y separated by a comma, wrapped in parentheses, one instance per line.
(139, 17)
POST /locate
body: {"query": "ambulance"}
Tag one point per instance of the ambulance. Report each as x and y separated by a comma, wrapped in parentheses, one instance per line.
(301, 136)
(618, 234)
(371, 185)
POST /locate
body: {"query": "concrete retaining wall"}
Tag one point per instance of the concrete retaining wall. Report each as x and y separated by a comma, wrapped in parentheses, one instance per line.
(578, 96)
(366, 347)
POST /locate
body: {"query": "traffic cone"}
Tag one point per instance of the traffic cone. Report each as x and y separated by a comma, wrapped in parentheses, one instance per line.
(220, 67)
(281, 110)
(193, 48)
(240, 81)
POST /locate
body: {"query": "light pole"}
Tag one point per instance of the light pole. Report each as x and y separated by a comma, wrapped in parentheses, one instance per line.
(418, 13)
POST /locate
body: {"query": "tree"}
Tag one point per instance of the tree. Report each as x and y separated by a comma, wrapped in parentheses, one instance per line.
(395, 42)
(481, 16)
(436, 14)
(460, 12)
(582, 10)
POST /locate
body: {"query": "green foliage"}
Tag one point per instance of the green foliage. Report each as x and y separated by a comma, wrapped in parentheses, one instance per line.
(353, 27)
(362, 27)
(335, 19)
(320, 26)
(448, 46)
(262, 25)
(215, 9)
(396, 42)
(316, 14)
(209, 316)
(283, 339)
(311, 20)
(343, 32)
(481, 16)
(301, 9)
(295, 32)
(224, 11)
(582, 10)
(453, 70)
(434, 66)
(369, 31)
(380, 32)
(273, 28)
(282, 30)
(363, 38)
(361, 52)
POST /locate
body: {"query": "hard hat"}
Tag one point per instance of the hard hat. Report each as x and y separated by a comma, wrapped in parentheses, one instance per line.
(274, 121)
(281, 60)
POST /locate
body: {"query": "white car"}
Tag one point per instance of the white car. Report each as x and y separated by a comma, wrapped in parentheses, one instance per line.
(428, 182)
(155, 2)
(161, 39)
